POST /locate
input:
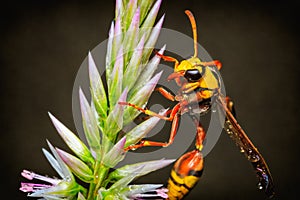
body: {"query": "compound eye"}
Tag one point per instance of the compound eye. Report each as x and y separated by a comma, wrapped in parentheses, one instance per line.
(192, 75)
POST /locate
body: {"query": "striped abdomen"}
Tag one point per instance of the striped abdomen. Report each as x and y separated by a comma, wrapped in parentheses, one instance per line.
(185, 174)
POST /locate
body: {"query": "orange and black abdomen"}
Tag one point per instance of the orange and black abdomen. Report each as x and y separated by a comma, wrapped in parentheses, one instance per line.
(185, 174)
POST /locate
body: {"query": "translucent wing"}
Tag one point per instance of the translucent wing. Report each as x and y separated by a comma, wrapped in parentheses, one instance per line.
(237, 134)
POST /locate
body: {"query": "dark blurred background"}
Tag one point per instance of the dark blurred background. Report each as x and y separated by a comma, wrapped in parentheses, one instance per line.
(44, 42)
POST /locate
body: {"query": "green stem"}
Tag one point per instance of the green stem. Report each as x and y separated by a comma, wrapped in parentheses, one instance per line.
(93, 184)
(100, 175)
(91, 191)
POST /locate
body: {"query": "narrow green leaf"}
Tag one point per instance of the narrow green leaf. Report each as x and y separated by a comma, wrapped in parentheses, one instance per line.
(97, 90)
(90, 127)
(131, 37)
(130, 10)
(151, 16)
(115, 118)
(115, 155)
(152, 38)
(143, 188)
(145, 7)
(119, 8)
(140, 98)
(123, 182)
(79, 168)
(62, 191)
(133, 69)
(73, 142)
(106, 143)
(96, 116)
(141, 130)
(53, 162)
(117, 41)
(109, 52)
(144, 93)
(47, 197)
(115, 87)
(146, 167)
(147, 72)
(67, 175)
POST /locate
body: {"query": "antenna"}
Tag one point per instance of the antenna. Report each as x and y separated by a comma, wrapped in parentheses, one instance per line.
(194, 27)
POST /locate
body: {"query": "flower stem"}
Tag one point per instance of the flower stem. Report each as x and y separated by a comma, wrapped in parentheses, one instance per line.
(93, 184)
(100, 175)
(91, 191)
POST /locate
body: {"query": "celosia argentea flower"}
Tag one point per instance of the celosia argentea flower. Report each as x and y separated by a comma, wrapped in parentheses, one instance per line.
(88, 173)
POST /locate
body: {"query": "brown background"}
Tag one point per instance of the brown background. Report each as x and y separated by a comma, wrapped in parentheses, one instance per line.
(44, 42)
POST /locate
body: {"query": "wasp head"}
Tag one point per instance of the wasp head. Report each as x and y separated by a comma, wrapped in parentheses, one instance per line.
(189, 69)
(187, 64)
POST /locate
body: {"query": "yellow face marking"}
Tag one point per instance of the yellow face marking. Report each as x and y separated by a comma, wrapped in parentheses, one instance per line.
(194, 61)
(183, 66)
(187, 64)
(208, 80)
(190, 87)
